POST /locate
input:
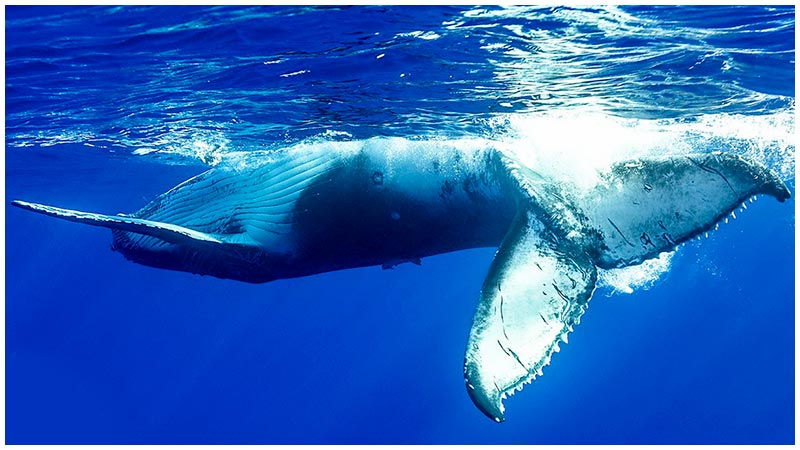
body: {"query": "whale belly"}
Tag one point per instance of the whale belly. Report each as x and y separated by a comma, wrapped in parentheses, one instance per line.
(374, 210)
(379, 202)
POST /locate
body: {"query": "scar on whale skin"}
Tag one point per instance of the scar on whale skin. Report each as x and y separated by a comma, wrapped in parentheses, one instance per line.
(318, 211)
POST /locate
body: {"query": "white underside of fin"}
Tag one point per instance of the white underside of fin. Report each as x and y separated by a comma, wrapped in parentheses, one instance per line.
(165, 231)
(533, 296)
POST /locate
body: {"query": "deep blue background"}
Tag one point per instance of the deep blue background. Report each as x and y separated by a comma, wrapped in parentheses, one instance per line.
(100, 350)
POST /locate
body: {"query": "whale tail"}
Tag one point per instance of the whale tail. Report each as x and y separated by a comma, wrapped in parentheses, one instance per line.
(168, 232)
(649, 206)
(544, 273)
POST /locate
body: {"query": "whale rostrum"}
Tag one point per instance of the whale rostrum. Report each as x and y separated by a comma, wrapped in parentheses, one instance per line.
(389, 201)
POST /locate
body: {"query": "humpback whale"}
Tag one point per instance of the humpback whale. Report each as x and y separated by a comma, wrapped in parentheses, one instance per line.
(387, 201)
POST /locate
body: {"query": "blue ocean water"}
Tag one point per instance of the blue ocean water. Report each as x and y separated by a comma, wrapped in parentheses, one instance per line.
(106, 107)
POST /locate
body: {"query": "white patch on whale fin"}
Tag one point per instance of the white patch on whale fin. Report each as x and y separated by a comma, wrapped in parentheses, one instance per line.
(165, 231)
(643, 207)
(533, 295)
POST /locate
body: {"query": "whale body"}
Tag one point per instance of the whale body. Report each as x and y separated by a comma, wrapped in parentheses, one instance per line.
(389, 201)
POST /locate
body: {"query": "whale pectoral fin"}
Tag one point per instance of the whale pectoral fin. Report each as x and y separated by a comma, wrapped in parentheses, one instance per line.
(643, 207)
(533, 295)
(165, 231)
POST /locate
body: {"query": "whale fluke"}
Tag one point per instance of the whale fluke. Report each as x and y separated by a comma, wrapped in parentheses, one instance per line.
(533, 295)
(544, 272)
(648, 206)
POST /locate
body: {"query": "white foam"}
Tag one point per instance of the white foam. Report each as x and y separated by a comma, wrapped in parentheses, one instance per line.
(628, 279)
(424, 35)
(769, 138)
(573, 144)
